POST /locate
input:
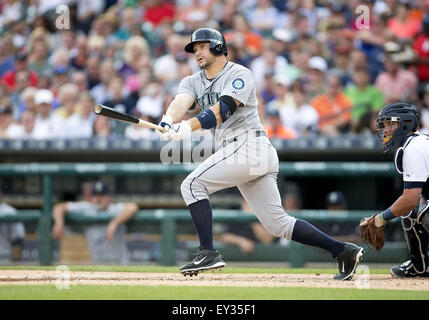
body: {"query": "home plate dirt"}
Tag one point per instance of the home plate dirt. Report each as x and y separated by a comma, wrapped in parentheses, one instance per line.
(376, 281)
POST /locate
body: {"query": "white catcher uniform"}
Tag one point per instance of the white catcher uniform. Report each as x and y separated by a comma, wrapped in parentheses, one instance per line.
(412, 161)
(245, 157)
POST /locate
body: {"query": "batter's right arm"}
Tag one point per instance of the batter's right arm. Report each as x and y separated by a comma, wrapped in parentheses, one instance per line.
(178, 107)
(175, 113)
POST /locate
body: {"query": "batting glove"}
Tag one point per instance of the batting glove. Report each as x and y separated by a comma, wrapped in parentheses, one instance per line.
(166, 123)
(180, 131)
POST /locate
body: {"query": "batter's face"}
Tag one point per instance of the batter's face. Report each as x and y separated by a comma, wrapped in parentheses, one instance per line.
(203, 55)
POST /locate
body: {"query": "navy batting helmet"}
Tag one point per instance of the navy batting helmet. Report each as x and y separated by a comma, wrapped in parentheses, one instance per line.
(407, 117)
(216, 39)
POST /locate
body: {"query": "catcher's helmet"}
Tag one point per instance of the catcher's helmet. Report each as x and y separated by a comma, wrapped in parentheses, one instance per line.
(216, 39)
(407, 117)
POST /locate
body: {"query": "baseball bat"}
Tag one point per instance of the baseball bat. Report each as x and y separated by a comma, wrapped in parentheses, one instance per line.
(117, 115)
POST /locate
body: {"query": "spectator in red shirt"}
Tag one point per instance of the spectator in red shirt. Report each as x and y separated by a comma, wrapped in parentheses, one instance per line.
(402, 24)
(158, 11)
(9, 78)
(396, 83)
(421, 47)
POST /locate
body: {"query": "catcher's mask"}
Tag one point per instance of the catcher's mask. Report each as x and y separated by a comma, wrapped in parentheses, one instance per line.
(407, 118)
(214, 37)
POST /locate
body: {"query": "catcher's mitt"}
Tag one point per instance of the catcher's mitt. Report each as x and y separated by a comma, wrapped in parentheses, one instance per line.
(371, 234)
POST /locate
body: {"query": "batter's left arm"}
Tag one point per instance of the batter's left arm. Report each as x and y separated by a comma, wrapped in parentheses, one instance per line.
(219, 112)
(207, 119)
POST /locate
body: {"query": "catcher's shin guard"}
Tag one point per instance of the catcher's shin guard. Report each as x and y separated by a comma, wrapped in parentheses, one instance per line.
(423, 215)
(417, 240)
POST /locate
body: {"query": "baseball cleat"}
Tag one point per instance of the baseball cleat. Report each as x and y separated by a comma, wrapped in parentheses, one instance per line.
(190, 273)
(348, 261)
(407, 270)
(205, 260)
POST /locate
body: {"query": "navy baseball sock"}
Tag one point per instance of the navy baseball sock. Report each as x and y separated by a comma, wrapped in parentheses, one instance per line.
(202, 217)
(306, 233)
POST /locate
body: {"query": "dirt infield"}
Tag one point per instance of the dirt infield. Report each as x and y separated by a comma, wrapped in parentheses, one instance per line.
(375, 281)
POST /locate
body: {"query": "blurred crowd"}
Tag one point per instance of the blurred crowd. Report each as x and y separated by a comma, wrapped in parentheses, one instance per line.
(322, 67)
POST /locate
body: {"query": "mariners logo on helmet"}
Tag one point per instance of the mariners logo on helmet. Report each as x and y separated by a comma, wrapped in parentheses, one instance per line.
(214, 37)
(405, 115)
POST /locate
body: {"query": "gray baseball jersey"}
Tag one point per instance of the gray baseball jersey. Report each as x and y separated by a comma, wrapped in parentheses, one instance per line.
(9, 232)
(246, 157)
(235, 81)
(100, 248)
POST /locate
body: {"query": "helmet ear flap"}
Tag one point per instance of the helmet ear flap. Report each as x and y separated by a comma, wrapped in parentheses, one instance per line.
(217, 49)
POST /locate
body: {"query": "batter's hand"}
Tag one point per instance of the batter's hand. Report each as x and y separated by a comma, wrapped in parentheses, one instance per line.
(166, 122)
(180, 131)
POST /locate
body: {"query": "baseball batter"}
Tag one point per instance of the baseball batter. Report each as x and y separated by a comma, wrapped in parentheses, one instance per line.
(226, 95)
(397, 129)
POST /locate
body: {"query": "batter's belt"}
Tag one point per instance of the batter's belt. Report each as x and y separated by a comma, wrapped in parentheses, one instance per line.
(258, 133)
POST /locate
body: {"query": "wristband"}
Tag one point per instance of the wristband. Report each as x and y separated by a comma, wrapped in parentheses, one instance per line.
(387, 215)
(207, 119)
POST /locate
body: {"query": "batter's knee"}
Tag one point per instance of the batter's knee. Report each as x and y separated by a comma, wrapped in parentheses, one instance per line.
(275, 230)
(282, 227)
(193, 190)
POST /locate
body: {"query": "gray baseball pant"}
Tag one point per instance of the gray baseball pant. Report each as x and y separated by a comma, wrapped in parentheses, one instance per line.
(251, 163)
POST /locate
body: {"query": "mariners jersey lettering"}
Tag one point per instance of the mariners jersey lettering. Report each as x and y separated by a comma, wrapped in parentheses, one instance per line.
(235, 81)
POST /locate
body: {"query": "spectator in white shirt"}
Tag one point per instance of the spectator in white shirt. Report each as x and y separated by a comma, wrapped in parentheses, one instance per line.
(43, 126)
(303, 118)
(151, 103)
(166, 67)
(269, 61)
(284, 98)
(80, 124)
(12, 13)
(24, 129)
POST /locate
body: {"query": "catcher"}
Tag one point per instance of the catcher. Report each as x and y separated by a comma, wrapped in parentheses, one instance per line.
(397, 129)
